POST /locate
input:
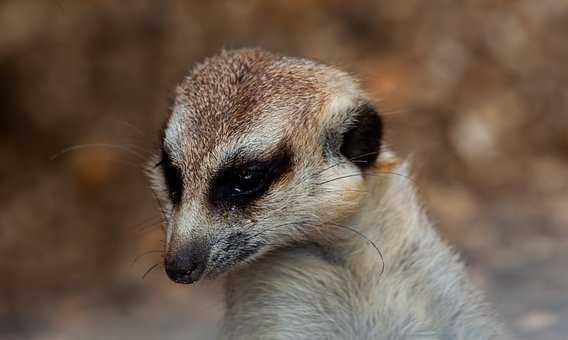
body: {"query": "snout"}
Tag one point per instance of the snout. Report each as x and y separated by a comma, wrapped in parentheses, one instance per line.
(187, 264)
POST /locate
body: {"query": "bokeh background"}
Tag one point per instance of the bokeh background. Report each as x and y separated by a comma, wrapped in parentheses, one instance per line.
(475, 91)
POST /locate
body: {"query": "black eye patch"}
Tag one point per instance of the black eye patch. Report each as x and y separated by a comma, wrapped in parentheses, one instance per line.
(173, 178)
(242, 182)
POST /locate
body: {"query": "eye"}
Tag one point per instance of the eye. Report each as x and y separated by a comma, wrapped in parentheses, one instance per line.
(249, 182)
(241, 184)
(173, 178)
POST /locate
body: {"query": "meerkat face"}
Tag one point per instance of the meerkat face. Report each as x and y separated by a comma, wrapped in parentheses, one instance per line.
(259, 151)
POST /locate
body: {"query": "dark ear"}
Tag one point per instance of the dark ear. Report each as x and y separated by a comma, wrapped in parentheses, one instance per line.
(362, 140)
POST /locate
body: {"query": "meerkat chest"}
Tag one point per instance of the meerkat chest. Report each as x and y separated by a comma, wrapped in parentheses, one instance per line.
(293, 295)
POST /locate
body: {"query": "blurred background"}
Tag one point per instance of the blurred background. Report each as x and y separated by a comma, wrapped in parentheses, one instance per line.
(475, 91)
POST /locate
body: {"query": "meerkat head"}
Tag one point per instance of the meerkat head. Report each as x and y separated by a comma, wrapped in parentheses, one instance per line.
(259, 151)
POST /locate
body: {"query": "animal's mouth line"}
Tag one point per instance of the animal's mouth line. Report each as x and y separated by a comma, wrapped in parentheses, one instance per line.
(216, 267)
(198, 261)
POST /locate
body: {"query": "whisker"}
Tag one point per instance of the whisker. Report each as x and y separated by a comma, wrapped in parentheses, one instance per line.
(363, 236)
(344, 190)
(145, 254)
(355, 231)
(338, 178)
(366, 174)
(406, 177)
(145, 221)
(132, 126)
(157, 200)
(397, 112)
(353, 159)
(98, 145)
(149, 229)
(150, 270)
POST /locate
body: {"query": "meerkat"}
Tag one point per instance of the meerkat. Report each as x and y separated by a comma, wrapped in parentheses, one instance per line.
(272, 173)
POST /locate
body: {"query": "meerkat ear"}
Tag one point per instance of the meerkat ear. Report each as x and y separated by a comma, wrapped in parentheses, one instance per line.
(361, 142)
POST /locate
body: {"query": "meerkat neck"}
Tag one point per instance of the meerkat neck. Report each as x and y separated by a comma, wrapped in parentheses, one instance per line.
(390, 219)
(416, 288)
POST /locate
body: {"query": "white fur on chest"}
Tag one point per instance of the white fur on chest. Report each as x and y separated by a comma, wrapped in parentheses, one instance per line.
(423, 292)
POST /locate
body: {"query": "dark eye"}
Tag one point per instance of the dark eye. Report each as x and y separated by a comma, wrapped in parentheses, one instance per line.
(249, 182)
(240, 185)
(173, 178)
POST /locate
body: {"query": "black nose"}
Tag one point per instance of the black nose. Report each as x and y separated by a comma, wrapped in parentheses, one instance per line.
(186, 265)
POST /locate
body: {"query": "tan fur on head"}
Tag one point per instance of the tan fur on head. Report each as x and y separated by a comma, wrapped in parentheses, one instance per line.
(269, 172)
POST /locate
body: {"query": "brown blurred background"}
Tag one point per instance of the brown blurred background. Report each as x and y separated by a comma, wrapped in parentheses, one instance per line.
(475, 91)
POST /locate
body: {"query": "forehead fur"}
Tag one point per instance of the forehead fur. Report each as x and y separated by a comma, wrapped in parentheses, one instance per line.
(253, 96)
